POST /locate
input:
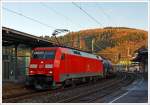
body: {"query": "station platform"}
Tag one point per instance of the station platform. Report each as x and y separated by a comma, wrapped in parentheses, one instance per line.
(137, 92)
(11, 85)
(11, 88)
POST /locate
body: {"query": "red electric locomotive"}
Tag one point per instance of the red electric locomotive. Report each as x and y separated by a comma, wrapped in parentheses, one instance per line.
(50, 66)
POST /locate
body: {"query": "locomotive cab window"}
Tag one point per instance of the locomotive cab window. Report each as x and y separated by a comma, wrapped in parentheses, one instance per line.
(43, 54)
(49, 54)
(38, 54)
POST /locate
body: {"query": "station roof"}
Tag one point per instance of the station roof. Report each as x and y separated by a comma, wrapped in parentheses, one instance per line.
(12, 37)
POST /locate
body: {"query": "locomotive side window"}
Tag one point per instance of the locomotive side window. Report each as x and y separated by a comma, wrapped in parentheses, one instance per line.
(76, 52)
(43, 54)
(62, 56)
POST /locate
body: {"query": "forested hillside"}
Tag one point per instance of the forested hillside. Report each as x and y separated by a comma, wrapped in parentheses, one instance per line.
(114, 43)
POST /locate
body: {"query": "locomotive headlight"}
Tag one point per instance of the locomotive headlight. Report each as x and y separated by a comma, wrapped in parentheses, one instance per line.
(33, 66)
(49, 66)
(50, 72)
(31, 72)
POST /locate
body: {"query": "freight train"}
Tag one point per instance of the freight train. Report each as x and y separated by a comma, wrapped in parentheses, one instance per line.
(54, 66)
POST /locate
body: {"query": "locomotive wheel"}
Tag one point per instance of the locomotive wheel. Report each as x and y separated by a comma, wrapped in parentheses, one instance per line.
(83, 80)
(94, 79)
(67, 83)
(53, 86)
(91, 79)
(73, 83)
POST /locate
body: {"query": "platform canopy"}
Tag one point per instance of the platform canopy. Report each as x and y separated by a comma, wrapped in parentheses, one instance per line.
(12, 37)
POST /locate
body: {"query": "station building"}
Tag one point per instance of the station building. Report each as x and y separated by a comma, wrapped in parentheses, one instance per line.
(142, 58)
(16, 52)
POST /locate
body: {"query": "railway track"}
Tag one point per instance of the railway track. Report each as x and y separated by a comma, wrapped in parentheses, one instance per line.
(97, 93)
(33, 93)
(63, 95)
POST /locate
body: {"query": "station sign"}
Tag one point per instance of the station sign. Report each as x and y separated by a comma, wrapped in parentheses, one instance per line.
(125, 62)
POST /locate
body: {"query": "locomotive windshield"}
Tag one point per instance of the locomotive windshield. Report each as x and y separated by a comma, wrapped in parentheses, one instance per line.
(43, 54)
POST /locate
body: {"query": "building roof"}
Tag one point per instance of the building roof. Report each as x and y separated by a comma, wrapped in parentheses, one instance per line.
(142, 55)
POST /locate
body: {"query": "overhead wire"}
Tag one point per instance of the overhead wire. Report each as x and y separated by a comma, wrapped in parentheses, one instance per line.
(30, 18)
(103, 11)
(59, 13)
(90, 16)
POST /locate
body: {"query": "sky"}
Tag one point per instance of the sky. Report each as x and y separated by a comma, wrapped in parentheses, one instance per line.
(45, 17)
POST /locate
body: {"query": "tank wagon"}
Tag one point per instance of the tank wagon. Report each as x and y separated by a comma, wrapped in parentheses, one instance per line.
(108, 68)
(53, 66)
